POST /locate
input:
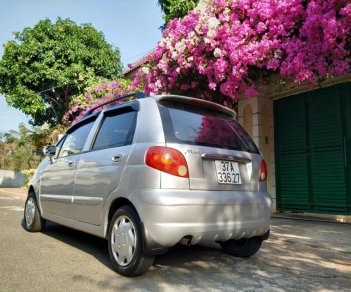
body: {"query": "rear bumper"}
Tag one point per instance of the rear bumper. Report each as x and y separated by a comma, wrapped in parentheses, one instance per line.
(170, 215)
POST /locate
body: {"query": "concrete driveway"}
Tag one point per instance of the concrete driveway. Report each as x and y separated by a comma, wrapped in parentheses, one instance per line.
(299, 256)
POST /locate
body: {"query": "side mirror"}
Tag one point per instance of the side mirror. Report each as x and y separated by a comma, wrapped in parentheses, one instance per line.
(49, 150)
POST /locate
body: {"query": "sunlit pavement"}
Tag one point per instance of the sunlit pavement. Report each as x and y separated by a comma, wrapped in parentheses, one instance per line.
(299, 256)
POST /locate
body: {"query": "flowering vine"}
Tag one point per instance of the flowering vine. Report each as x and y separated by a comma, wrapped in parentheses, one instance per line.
(222, 45)
(220, 49)
(98, 95)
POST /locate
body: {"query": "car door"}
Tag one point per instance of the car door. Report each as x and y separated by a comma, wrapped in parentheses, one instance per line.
(57, 181)
(100, 169)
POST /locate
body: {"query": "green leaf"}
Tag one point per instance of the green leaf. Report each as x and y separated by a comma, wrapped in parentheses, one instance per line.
(41, 71)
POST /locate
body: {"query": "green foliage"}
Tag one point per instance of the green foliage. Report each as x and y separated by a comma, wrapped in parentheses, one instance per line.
(8, 137)
(63, 57)
(22, 149)
(17, 151)
(29, 174)
(176, 8)
(45, 136)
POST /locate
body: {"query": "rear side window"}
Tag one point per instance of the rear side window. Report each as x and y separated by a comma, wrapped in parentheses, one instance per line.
(188, 124)
(117, 129)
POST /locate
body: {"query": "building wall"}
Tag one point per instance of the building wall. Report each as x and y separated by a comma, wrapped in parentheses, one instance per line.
(257, 117)
(11, 179)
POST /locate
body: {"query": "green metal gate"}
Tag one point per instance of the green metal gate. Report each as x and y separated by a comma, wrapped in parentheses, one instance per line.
(313, 142)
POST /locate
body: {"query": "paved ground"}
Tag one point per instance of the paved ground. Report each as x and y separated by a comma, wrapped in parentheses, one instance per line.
(299, 256)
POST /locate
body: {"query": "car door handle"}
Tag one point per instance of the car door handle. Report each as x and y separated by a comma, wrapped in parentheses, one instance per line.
(117, 157)
(70, 162)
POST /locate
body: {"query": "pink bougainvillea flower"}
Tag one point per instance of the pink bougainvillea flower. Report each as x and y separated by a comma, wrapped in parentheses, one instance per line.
(221, 44)
(98, 95)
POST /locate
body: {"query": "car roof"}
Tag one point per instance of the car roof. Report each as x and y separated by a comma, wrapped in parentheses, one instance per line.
(163, 97)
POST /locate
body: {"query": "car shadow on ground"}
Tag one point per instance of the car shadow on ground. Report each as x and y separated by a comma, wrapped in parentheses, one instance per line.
(97, 247)
(284, 256)
(90, 244)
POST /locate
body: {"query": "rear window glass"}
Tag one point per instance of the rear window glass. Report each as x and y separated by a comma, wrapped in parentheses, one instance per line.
(188, 124)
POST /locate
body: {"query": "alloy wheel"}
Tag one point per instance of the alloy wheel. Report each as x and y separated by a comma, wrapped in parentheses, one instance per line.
(30, 211)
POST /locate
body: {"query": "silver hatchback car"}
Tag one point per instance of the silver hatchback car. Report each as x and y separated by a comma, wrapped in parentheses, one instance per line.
(153, 172)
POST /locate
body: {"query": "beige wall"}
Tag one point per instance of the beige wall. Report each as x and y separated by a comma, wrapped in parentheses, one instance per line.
(256, 116)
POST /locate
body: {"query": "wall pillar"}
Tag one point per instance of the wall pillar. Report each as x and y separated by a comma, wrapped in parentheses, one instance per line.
(256, 116)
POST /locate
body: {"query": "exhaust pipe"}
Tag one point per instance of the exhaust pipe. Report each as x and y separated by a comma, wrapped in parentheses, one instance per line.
(186, 240)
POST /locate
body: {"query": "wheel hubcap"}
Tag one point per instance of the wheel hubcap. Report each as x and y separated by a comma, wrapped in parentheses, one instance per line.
(30, 211)
(123, 239)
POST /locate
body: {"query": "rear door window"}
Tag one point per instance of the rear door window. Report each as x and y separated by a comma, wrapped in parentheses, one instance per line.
(117, 129)
(189, 124)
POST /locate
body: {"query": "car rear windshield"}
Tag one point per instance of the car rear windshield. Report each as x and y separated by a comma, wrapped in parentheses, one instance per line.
(188, 124)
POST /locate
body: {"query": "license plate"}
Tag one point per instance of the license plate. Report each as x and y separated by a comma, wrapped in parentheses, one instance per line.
(228, 172)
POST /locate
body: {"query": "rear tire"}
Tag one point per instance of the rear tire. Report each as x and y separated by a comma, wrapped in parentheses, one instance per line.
(125, 243)
(242, 248)
(33, 222)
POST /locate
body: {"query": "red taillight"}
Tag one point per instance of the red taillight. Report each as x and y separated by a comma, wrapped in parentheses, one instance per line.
(263, 171)
(207, 104)
(167, 160)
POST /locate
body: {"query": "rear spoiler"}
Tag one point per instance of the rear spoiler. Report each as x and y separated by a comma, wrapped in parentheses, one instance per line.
(196, 101)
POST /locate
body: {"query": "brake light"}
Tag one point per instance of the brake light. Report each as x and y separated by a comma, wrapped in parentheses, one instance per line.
(207, 104)
(263, 171)
(168, 160)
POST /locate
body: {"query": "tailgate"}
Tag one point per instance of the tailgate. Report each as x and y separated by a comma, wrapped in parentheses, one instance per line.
(220, 169)
(219, 153)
